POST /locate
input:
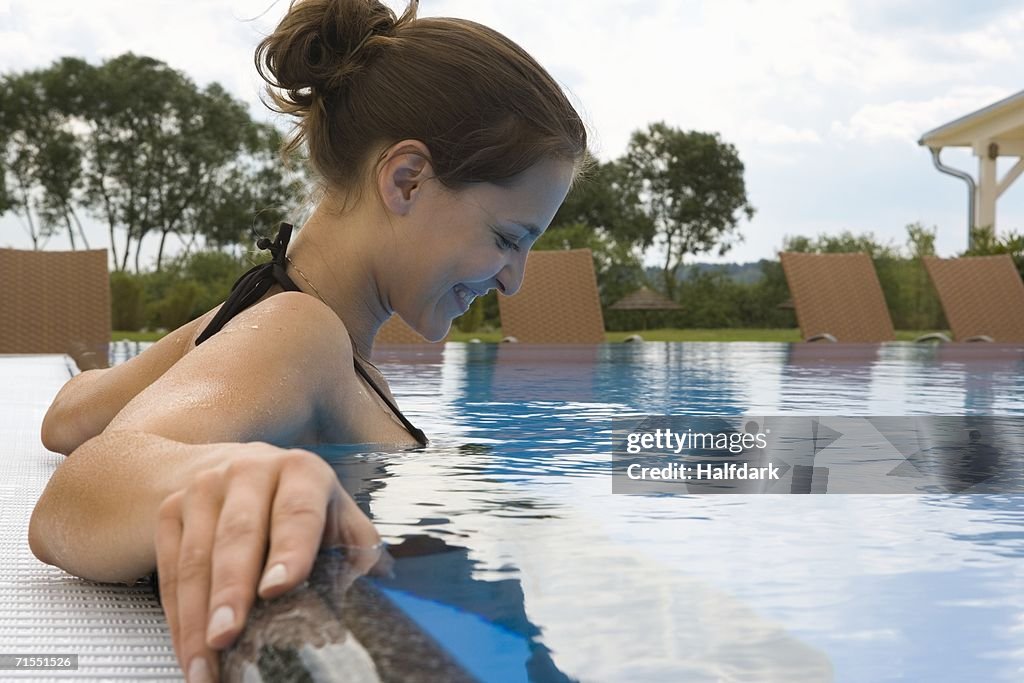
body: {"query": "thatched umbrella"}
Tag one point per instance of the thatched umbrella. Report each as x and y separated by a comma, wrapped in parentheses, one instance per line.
(645, 299)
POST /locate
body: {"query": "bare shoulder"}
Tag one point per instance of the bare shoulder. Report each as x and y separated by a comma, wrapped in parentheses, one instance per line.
(289, 321)
(89, 400)
(262, 377)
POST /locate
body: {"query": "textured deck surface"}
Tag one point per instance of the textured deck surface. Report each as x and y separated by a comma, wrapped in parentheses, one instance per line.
(118, 631)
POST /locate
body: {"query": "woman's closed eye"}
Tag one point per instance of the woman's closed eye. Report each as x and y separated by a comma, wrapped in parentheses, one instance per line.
(504, 242)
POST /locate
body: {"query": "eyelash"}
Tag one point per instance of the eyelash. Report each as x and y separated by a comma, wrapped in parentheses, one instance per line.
(504, 242)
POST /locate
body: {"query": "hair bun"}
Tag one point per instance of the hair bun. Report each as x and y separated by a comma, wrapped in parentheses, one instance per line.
(321, 45)
(341, 47)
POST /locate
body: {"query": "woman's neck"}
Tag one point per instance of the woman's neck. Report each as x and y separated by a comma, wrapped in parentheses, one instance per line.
(330, 258)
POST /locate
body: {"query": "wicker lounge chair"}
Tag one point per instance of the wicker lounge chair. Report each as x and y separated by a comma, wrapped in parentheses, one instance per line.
(56, 302)
(837, 297)
(558, 302)
(983, 297)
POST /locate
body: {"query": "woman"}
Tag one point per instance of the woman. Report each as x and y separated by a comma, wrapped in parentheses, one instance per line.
(442, 151)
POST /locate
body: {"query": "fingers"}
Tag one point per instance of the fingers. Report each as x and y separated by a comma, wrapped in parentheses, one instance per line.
(239, 549)
(168, 540)
(385, 565)
(200, 511)
(356, 531)
(306, 488)
(212, 537)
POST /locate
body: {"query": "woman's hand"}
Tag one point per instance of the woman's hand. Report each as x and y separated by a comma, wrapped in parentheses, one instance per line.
(212, 543)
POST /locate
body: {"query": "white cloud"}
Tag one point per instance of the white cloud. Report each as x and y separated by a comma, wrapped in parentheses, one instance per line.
(904, 121)
(759, 131)
(783, 81)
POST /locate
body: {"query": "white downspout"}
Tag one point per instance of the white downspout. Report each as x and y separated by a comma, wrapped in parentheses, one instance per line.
(967, 178)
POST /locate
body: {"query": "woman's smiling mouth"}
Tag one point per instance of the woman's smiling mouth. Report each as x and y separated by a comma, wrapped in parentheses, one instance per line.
(464, 295)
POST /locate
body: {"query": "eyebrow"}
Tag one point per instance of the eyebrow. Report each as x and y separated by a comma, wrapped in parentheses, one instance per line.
(528, 227)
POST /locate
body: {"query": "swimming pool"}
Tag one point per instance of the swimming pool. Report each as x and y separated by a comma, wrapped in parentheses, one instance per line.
(527, 567)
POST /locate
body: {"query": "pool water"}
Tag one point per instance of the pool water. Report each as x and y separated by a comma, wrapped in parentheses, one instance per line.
(513, 551)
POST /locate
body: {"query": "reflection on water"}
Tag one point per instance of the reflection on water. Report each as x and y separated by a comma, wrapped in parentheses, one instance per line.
(600, 587)
(791, 588)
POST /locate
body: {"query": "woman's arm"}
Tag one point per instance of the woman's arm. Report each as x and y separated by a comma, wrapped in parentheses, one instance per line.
(87, 403)
(175, 481)
(102, 502)
(97, 517)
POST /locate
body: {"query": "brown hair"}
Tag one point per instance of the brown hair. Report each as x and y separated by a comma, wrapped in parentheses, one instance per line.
(359, 79)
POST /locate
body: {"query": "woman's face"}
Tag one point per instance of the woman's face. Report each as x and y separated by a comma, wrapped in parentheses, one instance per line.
(472, 241)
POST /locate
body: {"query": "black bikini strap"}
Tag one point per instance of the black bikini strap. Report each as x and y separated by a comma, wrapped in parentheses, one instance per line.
(415, 431)
(255, 282)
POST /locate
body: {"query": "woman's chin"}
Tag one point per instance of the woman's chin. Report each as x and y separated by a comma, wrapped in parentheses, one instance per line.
(435, 333)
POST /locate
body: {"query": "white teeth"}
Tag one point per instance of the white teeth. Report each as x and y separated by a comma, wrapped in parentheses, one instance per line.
(464, 295)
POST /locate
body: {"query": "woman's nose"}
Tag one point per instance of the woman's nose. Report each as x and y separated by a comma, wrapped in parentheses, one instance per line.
(510, 279)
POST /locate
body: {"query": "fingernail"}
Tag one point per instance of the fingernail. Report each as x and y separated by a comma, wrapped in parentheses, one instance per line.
(198, 672)
(222, 620)
(274, 577)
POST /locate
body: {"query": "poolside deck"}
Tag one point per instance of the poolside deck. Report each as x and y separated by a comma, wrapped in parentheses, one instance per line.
(117, 631)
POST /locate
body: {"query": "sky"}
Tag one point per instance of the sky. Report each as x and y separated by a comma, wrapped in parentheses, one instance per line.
(824, 100)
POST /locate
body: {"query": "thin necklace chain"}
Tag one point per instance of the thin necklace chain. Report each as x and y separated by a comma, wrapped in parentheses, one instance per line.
(320, 296)
(303, 276)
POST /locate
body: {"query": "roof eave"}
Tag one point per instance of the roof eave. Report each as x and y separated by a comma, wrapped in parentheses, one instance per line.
(951, 134)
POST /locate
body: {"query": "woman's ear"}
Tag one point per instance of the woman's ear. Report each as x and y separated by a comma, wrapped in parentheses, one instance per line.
(404, 168)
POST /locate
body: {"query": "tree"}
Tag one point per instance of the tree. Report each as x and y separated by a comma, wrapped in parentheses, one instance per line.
(921, 240)
(607, 199)
(41, 151)
(139, 146)
(985, 242)
(845, 242)
(157, 149)
(7, 201)
(41, 162)
(691, 188)
(15, 152)
(602, 213)
(250, 194)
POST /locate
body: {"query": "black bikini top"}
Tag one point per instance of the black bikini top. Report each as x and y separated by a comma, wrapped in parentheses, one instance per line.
(257, 281)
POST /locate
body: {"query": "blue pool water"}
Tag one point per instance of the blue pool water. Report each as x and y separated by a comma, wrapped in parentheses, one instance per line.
(515, 554)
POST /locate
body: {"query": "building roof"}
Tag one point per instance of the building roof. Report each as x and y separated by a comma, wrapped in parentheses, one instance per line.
(645, 299)
(1003, 120)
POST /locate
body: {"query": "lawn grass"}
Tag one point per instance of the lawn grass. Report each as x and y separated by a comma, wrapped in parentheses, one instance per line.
(663, 334)
(735, 334)
(712, 335)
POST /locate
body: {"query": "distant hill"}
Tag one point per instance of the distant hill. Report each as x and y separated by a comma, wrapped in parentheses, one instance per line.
(745, 273)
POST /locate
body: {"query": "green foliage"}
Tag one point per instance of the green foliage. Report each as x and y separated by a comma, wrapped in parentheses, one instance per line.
(844, 243)
(39, 160)
(126, 301)
(711, 298)
(985, 242)
(473, 319)
(607, 200)
(908, 292)
(691, 187)
(771, 293)
(179, 305)
(139, 146)
(920, 240)
(213, 272)
(186, 288)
